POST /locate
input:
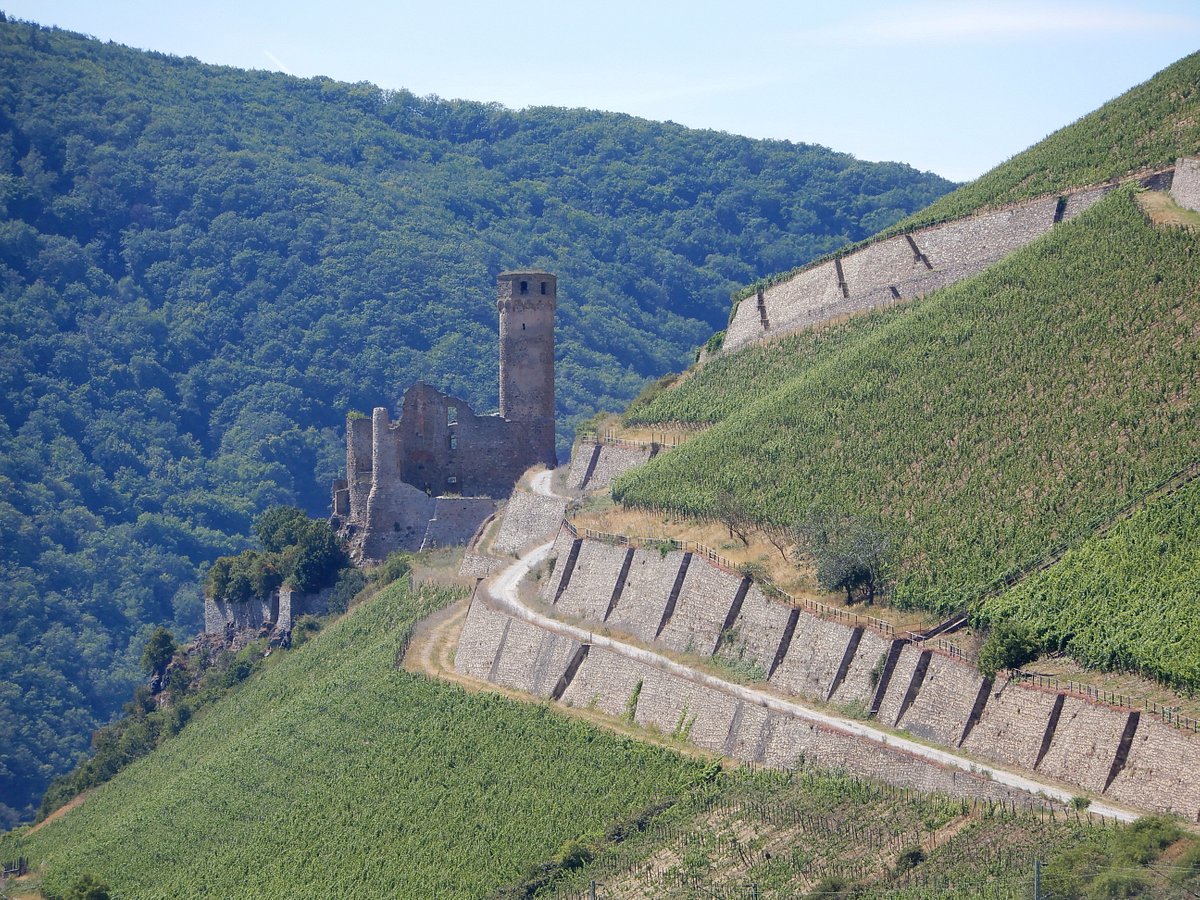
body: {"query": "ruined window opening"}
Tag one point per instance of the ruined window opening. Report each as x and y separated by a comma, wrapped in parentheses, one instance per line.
(451, 415)
(543, 287)
(524, 287)
(522, 326)
(452, 480)
(454, 442)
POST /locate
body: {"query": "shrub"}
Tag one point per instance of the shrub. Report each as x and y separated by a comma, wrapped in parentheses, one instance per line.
(1009, 646)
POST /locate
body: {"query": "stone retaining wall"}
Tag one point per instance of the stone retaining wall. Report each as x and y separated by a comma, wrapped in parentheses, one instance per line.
(558, 558)
(757, 631)
(581, 460)
(615, 460)
(1185, 186)
(1085, 743)
(1163, 766)
(590, 588)
(476, 565)
(527, 518)
(874, 275)
(647, 589)
(931, 695)
(704, 602)
(862, 675)
(942, 706)
(1012, 725)
(813, 657)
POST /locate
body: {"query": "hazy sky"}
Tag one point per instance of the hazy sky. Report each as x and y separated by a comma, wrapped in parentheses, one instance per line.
(954, 87)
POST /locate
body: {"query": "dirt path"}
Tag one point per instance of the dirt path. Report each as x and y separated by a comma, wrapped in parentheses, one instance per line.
(75, 801)
(503, 591)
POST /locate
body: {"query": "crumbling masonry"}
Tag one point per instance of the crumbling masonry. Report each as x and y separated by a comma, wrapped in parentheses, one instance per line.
(399, 473)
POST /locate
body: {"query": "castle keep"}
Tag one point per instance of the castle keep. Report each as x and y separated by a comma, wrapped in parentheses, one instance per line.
(437, 469)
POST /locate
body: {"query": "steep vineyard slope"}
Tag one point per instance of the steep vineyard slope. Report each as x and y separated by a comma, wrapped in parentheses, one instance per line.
(1125, 598)
(983, 426)
(203, 269)
(335, 771)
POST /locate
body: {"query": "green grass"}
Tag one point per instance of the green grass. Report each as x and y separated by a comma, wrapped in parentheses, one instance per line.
(985, 425)
(334, 774)
(1125, 599)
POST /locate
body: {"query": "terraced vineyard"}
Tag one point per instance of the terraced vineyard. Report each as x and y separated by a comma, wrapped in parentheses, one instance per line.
(984, 426)
(336, 772)
(1106, 602)
(781, 836)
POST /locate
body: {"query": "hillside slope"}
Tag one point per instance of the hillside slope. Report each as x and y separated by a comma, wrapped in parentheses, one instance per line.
(1126, 598)
(203, 269)
(983, 426)
(336, 771)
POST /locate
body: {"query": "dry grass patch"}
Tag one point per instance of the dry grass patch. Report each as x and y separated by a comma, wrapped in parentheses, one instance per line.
(1164, 212)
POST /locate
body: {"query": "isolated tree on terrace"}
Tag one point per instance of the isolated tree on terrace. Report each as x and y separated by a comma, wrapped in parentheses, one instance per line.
(849, 553)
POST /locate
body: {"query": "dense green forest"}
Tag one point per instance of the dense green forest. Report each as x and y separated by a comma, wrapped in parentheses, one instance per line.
(203, 269)
(982, 427)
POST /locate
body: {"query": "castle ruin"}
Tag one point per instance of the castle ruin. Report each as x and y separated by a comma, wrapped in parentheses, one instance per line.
(404, 476)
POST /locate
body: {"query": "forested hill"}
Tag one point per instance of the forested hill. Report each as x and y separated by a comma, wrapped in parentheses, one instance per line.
(202, 269)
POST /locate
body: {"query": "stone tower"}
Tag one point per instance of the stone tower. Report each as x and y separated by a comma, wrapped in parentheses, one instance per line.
(526, 300)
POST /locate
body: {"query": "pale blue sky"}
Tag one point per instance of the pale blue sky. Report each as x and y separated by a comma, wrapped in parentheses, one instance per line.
(954, 87)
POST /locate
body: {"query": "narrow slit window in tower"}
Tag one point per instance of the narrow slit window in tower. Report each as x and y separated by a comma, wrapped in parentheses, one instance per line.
(543, 287)
(451, 415)
(524, 287)
(454, 442)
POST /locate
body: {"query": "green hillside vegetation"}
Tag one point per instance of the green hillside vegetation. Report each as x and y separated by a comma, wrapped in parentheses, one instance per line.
(332, 773)
(812, 834)
(203, 269)
(1124, 599)
(982, 427)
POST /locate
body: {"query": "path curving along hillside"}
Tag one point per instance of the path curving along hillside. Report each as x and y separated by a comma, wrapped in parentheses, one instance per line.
(505, 641)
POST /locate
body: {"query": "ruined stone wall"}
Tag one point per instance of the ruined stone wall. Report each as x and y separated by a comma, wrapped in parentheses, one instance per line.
(1185, 186)
(455, 520)
(280, 609)
(527, 518)
(704, 602)
(613, 461)
(248, 616)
